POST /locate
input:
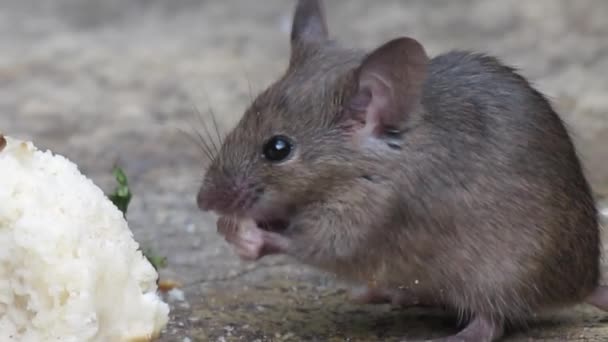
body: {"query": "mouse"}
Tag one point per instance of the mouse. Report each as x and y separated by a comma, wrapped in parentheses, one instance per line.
(445, 180)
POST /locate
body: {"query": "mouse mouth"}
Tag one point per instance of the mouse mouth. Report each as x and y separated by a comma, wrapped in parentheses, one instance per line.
(275, 225)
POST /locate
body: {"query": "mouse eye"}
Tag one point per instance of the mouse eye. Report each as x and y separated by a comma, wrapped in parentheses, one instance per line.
(277, 148)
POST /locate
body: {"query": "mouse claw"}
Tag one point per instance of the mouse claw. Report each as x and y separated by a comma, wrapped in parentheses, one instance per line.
(227, 226)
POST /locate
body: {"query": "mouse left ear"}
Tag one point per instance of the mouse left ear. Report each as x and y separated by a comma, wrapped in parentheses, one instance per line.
(389, 89)
(309, 25)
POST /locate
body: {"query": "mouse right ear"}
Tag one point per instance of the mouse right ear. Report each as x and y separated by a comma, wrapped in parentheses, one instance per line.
(309, 25)
(390, 81)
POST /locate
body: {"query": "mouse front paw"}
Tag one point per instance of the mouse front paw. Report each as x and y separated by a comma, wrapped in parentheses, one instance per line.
(246, 239)
(249, 241)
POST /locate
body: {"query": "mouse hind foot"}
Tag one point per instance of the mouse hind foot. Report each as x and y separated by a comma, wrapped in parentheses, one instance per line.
(479, 329)
(599, 298)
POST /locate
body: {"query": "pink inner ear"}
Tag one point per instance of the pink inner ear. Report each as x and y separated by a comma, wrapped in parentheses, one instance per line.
(361, 100)
(390, 85)
(379, 107)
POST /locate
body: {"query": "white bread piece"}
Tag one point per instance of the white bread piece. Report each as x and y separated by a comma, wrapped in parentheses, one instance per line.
(70, 269)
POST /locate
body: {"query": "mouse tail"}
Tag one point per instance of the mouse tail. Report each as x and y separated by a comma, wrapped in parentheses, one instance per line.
(599, 298)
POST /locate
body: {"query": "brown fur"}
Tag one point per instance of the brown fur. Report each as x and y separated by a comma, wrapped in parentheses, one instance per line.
(467, 188)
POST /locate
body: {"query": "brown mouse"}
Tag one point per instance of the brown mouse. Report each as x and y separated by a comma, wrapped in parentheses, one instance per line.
(447, 180)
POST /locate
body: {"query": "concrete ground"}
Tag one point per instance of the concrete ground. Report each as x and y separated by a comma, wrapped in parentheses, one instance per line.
(117, 81)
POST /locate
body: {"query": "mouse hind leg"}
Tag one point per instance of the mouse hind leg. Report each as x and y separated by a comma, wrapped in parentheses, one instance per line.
(599, 298)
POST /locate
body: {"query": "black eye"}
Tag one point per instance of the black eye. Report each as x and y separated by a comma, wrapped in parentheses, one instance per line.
(277, 148)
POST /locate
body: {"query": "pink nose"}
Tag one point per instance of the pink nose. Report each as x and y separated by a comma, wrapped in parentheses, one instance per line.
(222, 201)
(211, 200)
(202, 201)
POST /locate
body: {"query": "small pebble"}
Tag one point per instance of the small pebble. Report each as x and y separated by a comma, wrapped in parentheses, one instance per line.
(190, 228)
(177, 295)
(186, 339)
(604, 212)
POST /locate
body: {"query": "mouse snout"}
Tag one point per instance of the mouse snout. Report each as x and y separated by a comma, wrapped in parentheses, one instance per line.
(226, 199)
(205, 200)
(214, 199)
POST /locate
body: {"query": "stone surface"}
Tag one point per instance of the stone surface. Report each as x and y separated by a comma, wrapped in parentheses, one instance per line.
(120, 81)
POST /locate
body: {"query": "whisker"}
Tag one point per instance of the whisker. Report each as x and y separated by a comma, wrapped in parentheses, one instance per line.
(215, 126)
(212, 155)
(213, 150)
(212, 145)
(211, 112)
(200, 143)
(249, 89)
(204, 138)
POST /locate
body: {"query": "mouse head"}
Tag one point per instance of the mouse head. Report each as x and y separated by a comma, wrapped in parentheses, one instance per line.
(312, 128)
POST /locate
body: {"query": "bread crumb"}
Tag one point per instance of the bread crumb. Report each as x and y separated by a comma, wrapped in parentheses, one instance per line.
(177, 295)
(167, 285)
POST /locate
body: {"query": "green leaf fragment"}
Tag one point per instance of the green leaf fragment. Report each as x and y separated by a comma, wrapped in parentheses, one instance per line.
(121, 197)
(157, 261)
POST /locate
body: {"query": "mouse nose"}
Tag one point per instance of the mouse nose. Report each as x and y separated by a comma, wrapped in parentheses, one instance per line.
(227, 201)
(220, 200)
(226, 197)
(208, 200)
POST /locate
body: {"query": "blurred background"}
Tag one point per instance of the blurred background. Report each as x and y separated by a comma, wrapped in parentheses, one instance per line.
(115, 81)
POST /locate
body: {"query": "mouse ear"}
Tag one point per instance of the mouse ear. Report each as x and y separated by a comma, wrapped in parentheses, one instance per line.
(309, 24)
(390, 81)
